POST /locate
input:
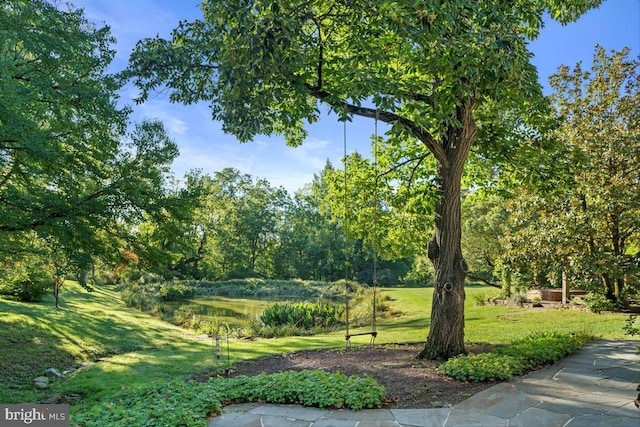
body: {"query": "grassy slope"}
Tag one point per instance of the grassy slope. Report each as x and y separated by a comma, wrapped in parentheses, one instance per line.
(87, 326)
(34, 337)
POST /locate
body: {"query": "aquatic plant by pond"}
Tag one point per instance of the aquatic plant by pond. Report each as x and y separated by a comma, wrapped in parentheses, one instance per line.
(302, 315)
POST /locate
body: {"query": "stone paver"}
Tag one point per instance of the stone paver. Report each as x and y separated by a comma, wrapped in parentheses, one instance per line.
(594, 388)
(335, 423)
(290, 411)
(421, 417)
(363, 415)
(466, 418)
(536, 417)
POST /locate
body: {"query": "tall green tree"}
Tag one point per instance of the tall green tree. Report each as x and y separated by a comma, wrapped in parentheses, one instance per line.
(312, 240)
(70, 175)
(426, 69)
(244, 218)
(58, 119)
(589, 224)
(172, 240)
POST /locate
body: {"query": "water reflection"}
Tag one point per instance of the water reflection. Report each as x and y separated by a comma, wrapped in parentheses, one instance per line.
(231, 310)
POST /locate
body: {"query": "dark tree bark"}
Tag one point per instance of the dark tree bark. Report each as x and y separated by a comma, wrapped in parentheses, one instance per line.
(446, 334)
(57, 284)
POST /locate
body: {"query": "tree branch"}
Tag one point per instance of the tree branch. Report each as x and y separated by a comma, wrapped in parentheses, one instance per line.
(387, 117)
(403, 163)
(483, 280)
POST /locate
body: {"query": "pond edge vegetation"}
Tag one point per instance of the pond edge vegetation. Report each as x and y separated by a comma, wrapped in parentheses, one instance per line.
(316, 307)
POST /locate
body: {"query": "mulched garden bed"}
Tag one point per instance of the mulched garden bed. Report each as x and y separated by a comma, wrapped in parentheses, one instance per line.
(409, 382)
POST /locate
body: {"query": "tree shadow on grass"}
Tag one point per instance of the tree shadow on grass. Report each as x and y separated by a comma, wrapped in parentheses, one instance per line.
(87, 326)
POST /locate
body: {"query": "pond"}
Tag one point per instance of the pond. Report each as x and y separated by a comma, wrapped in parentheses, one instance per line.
(233, 311)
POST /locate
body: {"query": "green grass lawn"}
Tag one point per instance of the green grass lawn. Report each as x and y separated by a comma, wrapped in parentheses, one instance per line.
(134, 348)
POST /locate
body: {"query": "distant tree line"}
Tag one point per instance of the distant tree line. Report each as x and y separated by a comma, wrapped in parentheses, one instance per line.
(240, 227)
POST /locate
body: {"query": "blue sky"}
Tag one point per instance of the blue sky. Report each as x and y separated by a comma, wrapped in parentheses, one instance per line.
(203, 145)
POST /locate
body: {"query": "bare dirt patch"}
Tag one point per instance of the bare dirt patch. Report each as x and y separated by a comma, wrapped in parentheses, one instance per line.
(409, 382)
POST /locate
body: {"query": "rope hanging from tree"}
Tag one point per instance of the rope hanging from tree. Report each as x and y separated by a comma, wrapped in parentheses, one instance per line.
(373, 332)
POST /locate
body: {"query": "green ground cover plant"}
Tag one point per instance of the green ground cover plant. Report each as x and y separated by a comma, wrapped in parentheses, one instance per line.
(515, 359)
(191, 403)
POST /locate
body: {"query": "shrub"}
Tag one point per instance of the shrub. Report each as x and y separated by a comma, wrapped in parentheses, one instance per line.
(175, 290)
(515, 359)
(137, 296)
(519, 299)
(479, 299)
(208, 326)
(257, 329)
(631, 327)
(107, 278)
(598, 303)
(185, 316)
(27, 285)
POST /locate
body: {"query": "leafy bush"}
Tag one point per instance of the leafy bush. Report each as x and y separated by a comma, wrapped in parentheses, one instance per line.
(28, 285)
(515, 359)
(208, 326)
(302, 315)
(139, 297)
(175, 290)
(598, 303)
(106, 278)
(258, 329)
(186, 316)
(631, 327)
(190, 403)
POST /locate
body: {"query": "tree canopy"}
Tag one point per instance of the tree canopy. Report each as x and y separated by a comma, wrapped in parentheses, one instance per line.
(72, 178)
(436, 73)
(588, 223)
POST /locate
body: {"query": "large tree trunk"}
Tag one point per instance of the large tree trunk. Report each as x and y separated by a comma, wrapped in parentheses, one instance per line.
(608, 283)
(446, 334)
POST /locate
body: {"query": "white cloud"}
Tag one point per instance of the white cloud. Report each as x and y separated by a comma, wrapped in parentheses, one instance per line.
(165, 113)
(312, 154)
